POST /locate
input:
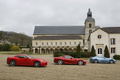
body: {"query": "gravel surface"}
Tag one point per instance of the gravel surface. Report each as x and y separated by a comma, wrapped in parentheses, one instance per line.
(52, 71)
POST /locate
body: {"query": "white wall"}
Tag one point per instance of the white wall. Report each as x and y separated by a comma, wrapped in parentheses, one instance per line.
(99, 43)
(117, 43)
(53, 42)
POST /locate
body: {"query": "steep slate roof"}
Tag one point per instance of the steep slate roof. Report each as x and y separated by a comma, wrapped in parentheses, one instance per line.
(57, 37)
(59, 30)
(111, 29)
(54, 30)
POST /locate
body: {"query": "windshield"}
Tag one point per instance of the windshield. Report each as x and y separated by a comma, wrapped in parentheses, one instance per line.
(29, 57)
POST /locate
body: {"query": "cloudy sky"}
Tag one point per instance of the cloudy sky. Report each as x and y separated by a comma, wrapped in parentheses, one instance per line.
(23, 15)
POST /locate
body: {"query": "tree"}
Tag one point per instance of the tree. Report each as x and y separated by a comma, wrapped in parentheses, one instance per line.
(106, 52)
(78, 55)
(14, 48)
(6, 47)
(92, 53)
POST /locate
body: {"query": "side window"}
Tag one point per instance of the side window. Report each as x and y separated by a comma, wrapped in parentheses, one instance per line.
(68, 57)
(21, 56)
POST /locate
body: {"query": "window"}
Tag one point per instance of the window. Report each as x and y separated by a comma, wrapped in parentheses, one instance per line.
(42, 43)
(60, 43)
(112, 41)
(51, 43)
(74, 43)
(70, 43)
(112, 50)
(56, 43)
(46, 43)
(90, 25)
(65, 43)
(90, 31)
(68, 57)
(36, 43)
(20, 56)
(99, 36)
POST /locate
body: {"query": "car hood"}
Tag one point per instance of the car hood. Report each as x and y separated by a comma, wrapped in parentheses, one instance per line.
(39, 59)
(78, 59)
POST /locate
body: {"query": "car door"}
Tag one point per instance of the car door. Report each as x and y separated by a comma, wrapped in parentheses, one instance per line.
(106, 60)
(69, 60)
(23, 60)
(103, 59)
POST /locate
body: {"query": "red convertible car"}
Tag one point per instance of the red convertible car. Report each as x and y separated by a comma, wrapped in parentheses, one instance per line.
(25, 60)
(66, 59)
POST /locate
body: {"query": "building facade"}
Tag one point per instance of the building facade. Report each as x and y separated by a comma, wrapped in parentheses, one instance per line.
(50, 39)
(107, 36)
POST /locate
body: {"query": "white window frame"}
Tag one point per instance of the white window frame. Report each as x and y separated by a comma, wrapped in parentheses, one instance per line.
(113, 41)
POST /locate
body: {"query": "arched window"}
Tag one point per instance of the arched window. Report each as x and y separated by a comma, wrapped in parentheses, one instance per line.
(90, 25)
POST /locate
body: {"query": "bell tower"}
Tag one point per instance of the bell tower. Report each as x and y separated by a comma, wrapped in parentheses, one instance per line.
(89, 27)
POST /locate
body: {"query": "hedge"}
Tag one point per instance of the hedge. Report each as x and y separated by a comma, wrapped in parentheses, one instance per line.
(116, 57)
(73, 54)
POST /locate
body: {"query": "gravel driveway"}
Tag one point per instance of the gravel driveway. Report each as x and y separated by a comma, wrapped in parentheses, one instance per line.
(59, 72)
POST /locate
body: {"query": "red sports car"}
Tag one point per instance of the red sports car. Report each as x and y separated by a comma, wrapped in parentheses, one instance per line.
(25, 60)
(66, 59)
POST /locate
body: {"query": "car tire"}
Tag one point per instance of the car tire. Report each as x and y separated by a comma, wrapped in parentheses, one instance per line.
(80, 62)
(95, 61)
(60, 62)
(111, 62)
(36, 64)
(12, 63)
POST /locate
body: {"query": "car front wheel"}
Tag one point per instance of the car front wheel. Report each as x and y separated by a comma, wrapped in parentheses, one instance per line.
(111, 61)
(60, 62)
(95, 61)
(12, 63)
(36, 64)
(80, 62)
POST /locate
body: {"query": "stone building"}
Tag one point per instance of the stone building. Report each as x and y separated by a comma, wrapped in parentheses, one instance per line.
(50, 39)
(106, 36)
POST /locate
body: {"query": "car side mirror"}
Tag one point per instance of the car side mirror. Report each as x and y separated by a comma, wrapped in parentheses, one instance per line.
(71, 58)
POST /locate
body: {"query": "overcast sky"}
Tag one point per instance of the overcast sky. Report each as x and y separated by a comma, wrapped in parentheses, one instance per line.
(23, 15)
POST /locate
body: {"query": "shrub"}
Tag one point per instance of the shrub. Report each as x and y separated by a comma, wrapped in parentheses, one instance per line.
(85, 54)
(92, 53)
(106, 52)
(14, 48)
(78, 50)
(6, 47)
(116, 57)
(57, 54)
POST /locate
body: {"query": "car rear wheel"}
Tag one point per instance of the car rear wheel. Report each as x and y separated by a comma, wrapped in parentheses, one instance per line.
(111, 61)
(80, 62)
(12, 63)
(95, 61)
(36, 64)
(60, 62)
